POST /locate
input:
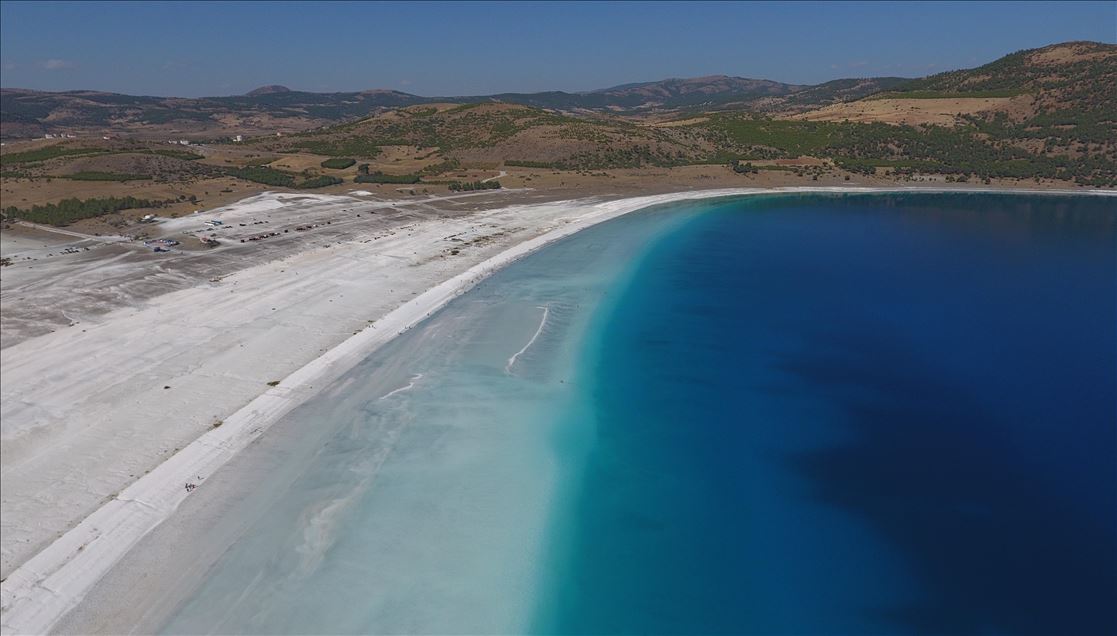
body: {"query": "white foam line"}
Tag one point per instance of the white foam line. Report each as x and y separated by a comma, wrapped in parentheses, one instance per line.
(542, 323)
(42, 590)
(410, 385)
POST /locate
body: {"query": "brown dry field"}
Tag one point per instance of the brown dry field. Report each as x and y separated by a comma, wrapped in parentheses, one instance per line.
(24, 193)
(391, 160)
(911, 112)
(232, 155)
(212, 192)
(534, 184)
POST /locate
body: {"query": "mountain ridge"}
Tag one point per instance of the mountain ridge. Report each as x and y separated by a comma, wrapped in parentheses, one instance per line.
(1053, 73)
(29, 113)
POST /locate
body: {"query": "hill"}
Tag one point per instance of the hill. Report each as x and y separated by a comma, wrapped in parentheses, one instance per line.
(1070, 91)
(682, 93)
(268, 90)
(1062, 96)
(274, 108)
(494, 133)
(25, 113)
(1045, 113)
(1061, 70)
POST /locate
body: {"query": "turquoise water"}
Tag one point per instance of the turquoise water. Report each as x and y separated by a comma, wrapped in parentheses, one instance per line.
(788, 414)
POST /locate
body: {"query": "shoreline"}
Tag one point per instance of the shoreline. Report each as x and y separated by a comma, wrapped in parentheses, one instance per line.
(40, 592)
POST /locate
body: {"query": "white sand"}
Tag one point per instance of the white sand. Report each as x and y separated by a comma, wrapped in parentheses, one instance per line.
(97, 453)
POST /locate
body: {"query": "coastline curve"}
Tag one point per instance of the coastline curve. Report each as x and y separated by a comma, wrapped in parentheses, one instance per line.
(41, 591)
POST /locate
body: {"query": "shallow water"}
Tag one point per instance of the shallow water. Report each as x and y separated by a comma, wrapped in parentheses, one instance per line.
(786, 414)
(422, 504)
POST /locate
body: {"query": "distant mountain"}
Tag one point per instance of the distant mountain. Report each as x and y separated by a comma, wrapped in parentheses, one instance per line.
(836, 91)
(268, 90)
(705, 93)
(709, 90)
(1079, 76)
(277, 108)
(269, 109)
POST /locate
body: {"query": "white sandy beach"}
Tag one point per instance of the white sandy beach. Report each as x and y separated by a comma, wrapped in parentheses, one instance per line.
(104, 424)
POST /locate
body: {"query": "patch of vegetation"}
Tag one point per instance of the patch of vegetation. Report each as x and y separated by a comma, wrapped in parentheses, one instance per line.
(69, 210)
(319, 182)
(94, 175)
(185, 155)
(258, 161)
(345, 147)
(633, 156)
(45, 153)
(460, 127)
(1004, 92)
(446, 165)
(862, 147)
(791, 138)
(520, 163)
(743, 168)
(273, 177)
(869, 166)
(59, 150)
(841, 90)
(467, 186)
(261, 174)
(338, 163)
(380, 177)
(167, 115)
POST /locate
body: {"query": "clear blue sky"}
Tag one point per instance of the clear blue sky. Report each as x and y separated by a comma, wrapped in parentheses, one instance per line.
(211, 48)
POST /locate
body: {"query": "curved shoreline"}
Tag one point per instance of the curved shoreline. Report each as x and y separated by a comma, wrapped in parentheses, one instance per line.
(41, 591)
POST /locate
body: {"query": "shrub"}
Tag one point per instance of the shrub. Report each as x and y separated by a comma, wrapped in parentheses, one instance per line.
(93, 175)
(380, 177)
(69, 210)
(260, 174)
(319, 182)
(466, 186)
(338, 163)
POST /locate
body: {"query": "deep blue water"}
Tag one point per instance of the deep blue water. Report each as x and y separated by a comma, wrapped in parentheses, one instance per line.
(816, 414)
(852, 414)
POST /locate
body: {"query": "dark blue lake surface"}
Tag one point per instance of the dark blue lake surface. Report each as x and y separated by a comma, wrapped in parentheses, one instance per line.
(793, 414)
(852, 414)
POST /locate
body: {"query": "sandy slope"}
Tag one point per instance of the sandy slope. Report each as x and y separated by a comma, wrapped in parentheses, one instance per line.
(88, 410)
(912, 112)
